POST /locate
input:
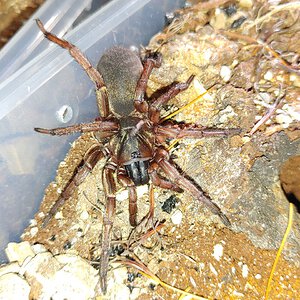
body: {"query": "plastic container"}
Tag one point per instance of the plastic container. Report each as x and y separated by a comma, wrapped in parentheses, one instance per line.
(51, 91)
(27, 43)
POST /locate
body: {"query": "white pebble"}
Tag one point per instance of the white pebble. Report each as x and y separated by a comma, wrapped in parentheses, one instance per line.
(212, 268)
(225, 73)
(257, 276)
(32, 222)
(38, 248)
(218, 252)
(283, 119)
(246, 3)
(84, 215)
(176, 217)
(245, 271)
(41, 215)
(34, 231)
(207, 54)
(268, 75)
(266, 97)
(193, 281)
(59, 215)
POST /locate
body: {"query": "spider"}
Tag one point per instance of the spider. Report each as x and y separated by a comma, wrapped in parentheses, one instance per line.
(131, 136)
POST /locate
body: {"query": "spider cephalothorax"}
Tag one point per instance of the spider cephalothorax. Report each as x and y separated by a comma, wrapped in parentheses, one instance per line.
(131, 135)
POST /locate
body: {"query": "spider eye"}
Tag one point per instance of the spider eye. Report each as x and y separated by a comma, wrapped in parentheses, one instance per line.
(135, 154)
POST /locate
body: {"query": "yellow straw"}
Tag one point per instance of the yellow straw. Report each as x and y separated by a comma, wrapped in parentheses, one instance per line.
(184, 107)
(288, 229)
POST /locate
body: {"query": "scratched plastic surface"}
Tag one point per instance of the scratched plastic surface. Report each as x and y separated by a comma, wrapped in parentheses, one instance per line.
(51, 91)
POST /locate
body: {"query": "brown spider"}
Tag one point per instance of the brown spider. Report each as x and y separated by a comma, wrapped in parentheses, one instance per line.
(131, 135)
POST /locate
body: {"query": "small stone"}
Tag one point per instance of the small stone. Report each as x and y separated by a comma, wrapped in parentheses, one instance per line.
(176, 217)
(38, 248)
(218, 252)
(84, 215)
(207, 54)
(65, 276)
(225, 73)
(12, 286)
(18, 251)
(59, 215)
(245, 271)
(32, 222)
(246, 3)
(269, 75)
(257, 276)
(41, 215)
(283, 119)
(219, 19)
(295, 79)
(33, 231)
(212, 268)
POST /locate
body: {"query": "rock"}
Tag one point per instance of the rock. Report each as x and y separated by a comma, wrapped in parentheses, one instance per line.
(65, 276)
(9, 268)
(13, 286)
(18, 251)
(176, 217)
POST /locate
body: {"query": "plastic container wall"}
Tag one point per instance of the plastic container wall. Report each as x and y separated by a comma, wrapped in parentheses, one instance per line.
(28, 42)
(53, 91)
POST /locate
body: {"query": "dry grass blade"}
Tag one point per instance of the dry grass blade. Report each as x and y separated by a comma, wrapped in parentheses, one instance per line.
(184, 107)
(288, 229)
(146, 272)
(268, 115)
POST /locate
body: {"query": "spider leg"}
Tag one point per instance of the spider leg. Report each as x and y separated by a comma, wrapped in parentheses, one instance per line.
(163, 161)
(88, 163)
(152, 60)
(177, 131)
(109, 185)
(174, 89)
(94, 75)
(129, 184)
(106, 127)
(160, 182)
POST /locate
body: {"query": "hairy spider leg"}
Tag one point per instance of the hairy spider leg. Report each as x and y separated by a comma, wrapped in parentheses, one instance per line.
(87, 164)
(129, 184)
(178, 131)
(162, 159)
(174, 89)
(110, 190)
(152, 60)
(93, 73)
(160, 182)
(107, 128)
